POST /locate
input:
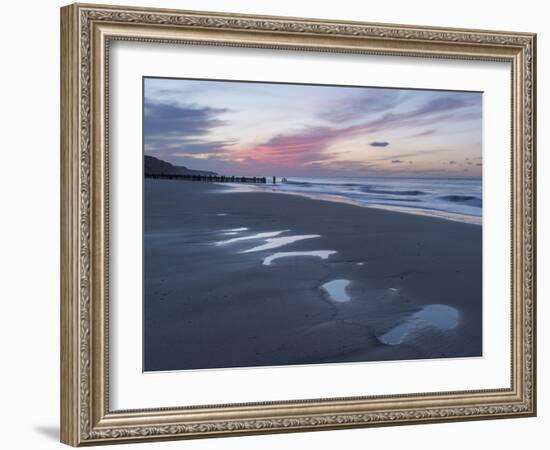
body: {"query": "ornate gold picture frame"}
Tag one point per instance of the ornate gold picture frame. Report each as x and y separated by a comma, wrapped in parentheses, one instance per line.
(87, 32)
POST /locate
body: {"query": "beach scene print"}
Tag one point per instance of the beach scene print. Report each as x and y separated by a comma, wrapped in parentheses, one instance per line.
(290, 224)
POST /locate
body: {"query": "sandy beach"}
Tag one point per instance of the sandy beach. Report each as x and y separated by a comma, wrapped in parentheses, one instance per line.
(243, 279)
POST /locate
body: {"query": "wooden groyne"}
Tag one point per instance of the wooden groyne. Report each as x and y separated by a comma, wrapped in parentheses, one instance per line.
(207, 178)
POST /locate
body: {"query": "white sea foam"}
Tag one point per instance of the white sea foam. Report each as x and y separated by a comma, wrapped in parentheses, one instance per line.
(221, 214)
(265, 235)
(236, 230)
(280, 241)
(323, 254)
(439, 316)
(336, 289)
(458, 199)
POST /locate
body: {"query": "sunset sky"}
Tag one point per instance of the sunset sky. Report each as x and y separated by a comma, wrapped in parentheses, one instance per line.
(263, 129)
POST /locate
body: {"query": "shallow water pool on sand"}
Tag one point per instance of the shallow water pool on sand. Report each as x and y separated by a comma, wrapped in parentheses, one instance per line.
(280, 241)
(267, 234)
(336, 289)
(443, 317)
(323, 254)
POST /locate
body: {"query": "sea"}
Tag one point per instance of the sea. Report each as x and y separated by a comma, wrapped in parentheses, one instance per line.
(458, 199)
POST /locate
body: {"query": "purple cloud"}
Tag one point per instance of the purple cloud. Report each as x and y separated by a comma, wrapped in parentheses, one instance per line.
(365, 102)
(171, 131)
(424, 133)
(162, 119)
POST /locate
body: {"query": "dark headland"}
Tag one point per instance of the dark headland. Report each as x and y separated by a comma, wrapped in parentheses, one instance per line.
(156, 166)
(398, 286)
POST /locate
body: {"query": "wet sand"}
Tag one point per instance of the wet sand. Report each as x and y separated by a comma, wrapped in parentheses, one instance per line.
(403, 286)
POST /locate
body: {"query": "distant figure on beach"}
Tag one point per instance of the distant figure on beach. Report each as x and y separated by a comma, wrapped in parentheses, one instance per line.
(283, 180)
(274, 180)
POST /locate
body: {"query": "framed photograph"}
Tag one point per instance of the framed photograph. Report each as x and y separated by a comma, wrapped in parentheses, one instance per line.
(278, 224)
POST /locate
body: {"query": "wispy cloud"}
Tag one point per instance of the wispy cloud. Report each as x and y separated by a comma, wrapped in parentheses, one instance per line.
(173, 130)
(310, 143)
(162, 119)
(362, 103)
(300, 147)
(424, 133)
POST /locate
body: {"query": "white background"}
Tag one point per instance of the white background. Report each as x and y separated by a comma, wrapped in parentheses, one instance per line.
(132, 389)
(29, 235)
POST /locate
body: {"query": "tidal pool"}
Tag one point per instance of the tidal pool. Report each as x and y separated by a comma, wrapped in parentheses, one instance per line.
(276, 242)
(336, 289)
(443, 317)
(323, 254)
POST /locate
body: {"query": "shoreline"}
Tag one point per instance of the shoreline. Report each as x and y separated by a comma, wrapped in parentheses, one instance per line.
(405, 286)
(425, 212)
